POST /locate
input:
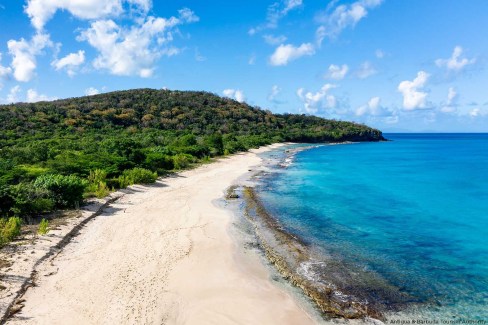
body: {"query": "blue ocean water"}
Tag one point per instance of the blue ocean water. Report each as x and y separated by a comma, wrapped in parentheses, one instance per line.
(413, 212)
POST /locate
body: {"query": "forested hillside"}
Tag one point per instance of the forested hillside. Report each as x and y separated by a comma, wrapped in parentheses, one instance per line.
(52, 154)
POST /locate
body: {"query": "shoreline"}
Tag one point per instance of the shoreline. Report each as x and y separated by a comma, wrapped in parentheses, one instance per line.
(287, 253)
(162, 254)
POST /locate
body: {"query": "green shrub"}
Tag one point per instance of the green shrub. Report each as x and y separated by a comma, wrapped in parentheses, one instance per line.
(9, 229)
(96, 176)
(6, 200)
(137, 176)
(30, 200)
(216, 143)
(182, 160)
(102, 190)
(124, 181)
(97, 183)
(66, 191)
(158, 162)
(43, 227)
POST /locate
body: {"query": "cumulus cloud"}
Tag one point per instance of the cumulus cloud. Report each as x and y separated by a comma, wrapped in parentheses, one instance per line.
(4, 72)
(91, 91)
(286, 53)
(337, 72)
(24, 54)
(70, 62)
(273, 94)
(13, 95)
(478, 112)
(235, 94)
(451, 102)
(313, 102)
(336, 19)
(33, 96)
(413, 96)
(373, 108)
(128, 46)
(455, 62)
(133, 50)
(366, 69)
(451, 96)
(274, 40)
(276, 12)
(41, 11)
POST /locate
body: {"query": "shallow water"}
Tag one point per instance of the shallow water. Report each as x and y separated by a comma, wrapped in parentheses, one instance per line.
(402, 222)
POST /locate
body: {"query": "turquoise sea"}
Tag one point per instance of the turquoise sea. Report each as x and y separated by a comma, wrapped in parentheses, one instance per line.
(407, 219)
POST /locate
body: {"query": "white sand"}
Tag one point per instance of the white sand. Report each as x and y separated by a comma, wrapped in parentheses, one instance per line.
(162, 255)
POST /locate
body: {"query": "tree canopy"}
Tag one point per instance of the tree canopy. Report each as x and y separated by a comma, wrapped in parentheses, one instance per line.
(53, 152)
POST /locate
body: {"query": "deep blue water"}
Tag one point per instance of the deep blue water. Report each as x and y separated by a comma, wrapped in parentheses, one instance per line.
(414, 211)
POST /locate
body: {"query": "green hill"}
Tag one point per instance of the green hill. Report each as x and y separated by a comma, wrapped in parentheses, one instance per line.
(115, 139)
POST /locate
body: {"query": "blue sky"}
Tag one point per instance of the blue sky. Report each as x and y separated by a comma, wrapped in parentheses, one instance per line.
(417, 65)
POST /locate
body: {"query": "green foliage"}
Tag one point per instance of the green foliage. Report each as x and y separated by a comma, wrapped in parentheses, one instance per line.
(9, 229)
(30, 200)
(216, 144)
(137, 176)
(182, 161)
(157, 161)
(96, 176)
(97, 184)
(65, 191)
(116, 139)
(43, 227)
(6, 200)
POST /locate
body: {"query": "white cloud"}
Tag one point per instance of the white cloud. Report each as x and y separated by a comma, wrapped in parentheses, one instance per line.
(373, 108)
(144, 5)
(275, 91)
(24, 55)
(413, 97)
(292, 4)
(187, 16)
(451, 96)
(274, 40)
(342, 17)
(337, 72)
(70, 62)
(451, 103)
(4, 72)
(133, 50)
(13, 95)
(33, 97)
(276, 12)
(199, 57)
(41, 11)
(366, 70)
(478, 112)
(252, 59)
(235, 94)
(455, 62)
(286, 53)
(313, 102)
(92, 91)
(379, 54)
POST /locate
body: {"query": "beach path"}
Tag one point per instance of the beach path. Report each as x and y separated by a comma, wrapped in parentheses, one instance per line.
(161, 255)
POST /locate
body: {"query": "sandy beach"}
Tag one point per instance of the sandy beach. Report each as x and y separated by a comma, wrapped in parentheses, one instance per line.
(162, 255)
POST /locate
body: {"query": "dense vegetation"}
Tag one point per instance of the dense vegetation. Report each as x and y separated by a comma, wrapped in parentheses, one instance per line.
(52, 154)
